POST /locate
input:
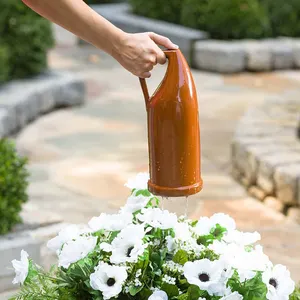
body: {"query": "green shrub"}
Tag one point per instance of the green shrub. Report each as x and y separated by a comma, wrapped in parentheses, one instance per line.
(27, 37)
(227, 19)
(163, 10)
(284, 17)
(13, 185)
(4, 65)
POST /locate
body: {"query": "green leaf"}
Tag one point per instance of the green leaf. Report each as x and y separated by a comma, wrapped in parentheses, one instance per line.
(170, 289)
(181, 257)
(218, 231)
(255, 289)
(194, 292)
(133, 290)
(144, 193)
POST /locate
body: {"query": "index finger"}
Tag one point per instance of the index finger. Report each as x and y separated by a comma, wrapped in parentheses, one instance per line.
(162, 41)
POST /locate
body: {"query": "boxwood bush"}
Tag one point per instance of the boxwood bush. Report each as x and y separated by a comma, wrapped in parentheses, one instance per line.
(27, 36)
(4, 66)
(227, 19)
(164, 10)
(284, 17)
(13, 185)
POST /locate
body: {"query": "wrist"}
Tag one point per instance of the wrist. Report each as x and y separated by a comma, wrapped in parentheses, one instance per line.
(117, 42)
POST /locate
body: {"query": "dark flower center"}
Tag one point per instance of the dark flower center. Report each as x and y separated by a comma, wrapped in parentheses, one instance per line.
(204, 277)
(111, 281)
(129, 251)
(273, 282)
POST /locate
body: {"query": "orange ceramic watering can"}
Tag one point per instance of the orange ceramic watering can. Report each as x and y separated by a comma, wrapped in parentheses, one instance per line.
(173, 131)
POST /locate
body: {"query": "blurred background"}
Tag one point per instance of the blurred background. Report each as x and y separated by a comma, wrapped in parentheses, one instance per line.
(73, 121)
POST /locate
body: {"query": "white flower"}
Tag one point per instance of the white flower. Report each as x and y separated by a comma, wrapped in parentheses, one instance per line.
(203, 273)
(140, 182)
(219, 247)
(279, 283)
(233, 296)
(108, 279)
(182, 231)
(21, 268)
(157, 218)
(159, 295)
(128, 245)
(171, 244)
(67, 234)
(135, 203)
(246, 262)
(224, 221)
(205, 224)
(114, 222)
(242, 238)
(75, 250)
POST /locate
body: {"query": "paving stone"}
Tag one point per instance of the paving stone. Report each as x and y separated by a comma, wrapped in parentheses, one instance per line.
(274, 203)
(259, 57)
(267, 165)
(282, 54)
(286, 183)
(294, 214)
(223, 57)
(257, 193)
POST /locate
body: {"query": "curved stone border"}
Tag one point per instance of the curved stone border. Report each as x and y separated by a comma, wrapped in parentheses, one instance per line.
(211, 55)
(266, 153)
(24, 100)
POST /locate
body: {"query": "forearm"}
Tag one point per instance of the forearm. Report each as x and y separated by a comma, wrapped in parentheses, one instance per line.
(80, 19)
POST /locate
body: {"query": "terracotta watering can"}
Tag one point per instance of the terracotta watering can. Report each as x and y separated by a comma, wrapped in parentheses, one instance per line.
(173, 131)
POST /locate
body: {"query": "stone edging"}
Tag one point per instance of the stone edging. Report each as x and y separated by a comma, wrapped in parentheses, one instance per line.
(247, 55)
(266, 154)
(24, 100)
(211, 55)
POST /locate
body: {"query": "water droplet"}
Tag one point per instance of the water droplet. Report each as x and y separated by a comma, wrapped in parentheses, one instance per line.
(186, 207)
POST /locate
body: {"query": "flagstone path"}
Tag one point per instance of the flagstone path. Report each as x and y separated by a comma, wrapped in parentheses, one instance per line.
(80, 158)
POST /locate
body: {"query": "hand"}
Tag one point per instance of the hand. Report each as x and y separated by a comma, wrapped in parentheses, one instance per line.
(139, 52)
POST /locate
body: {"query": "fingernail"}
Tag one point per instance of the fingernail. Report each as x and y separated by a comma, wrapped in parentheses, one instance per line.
(176, 46)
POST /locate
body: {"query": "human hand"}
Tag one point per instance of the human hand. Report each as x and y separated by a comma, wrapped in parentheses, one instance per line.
(139, 52)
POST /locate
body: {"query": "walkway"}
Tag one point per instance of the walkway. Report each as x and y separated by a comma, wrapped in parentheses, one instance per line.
(80, 158)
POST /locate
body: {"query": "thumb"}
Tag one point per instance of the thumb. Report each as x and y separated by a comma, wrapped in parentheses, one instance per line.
(162, 41)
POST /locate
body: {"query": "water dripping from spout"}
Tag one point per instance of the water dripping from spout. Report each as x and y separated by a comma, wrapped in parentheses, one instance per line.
(186, 207)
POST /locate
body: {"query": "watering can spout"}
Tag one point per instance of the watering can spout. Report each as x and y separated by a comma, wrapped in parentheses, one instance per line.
(173, 131)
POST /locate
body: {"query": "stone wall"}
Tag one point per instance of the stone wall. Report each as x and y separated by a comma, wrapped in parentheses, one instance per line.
(266, 154)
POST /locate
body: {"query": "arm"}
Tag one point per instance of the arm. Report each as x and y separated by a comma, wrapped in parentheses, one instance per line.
(138, 53)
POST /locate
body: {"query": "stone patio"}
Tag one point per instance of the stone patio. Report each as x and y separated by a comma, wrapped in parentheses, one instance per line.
(80, 158)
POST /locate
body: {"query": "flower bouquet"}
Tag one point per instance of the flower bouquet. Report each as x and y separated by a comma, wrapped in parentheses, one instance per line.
(144, 252)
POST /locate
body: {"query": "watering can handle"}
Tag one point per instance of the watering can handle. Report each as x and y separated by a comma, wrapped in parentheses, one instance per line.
(144, 84)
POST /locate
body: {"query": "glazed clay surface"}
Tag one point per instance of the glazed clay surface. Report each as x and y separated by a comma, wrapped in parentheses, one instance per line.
(173, 131)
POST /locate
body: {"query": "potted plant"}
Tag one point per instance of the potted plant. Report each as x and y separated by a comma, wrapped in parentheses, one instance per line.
(144, 252)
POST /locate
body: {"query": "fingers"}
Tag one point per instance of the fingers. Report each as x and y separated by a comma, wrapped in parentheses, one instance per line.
(160, 56)
(162, 41)
(145, 75)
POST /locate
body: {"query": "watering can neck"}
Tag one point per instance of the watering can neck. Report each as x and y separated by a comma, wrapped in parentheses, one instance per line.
(177, 66)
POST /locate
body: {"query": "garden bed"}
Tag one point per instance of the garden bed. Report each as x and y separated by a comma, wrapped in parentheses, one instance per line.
(210, 54)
